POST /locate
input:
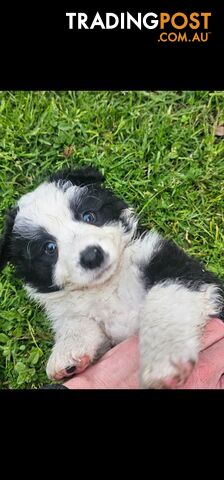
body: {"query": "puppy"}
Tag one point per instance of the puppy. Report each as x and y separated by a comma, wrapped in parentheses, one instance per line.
(102, 278)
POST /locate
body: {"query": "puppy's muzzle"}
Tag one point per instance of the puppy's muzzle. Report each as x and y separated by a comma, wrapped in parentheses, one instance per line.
(92, 257)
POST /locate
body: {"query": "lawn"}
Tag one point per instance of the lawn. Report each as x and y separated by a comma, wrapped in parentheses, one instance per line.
(157, 149)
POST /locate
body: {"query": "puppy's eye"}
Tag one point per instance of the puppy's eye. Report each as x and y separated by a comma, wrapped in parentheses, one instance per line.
(50, 248)
(89, 217)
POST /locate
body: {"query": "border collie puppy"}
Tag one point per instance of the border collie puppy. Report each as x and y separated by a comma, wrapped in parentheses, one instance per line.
(101, 278)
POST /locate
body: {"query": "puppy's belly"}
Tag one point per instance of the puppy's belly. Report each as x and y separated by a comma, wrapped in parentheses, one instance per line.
(119, 324)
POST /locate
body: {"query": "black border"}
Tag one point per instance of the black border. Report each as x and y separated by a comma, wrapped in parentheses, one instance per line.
(39, 52)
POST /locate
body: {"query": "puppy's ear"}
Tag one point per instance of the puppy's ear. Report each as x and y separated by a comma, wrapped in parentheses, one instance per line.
(5, 239)
(79, 176)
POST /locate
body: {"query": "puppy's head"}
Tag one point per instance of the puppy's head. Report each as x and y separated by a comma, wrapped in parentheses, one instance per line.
(68, 233)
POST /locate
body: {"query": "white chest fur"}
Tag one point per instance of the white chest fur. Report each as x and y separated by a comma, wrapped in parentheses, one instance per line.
(114, 305)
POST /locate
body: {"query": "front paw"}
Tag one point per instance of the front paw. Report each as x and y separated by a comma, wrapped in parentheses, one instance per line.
(167, 370)
(66, 361)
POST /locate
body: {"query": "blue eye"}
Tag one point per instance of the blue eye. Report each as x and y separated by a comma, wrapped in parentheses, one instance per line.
(50, 248)
(89, 217)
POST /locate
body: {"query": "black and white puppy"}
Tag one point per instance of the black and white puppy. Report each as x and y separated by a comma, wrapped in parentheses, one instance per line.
(102, 278)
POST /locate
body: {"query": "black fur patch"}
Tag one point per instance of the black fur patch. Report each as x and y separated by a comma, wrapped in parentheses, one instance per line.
(5, 240)
(32, 264)
(170, 262)
(80, 176)
(101, 201)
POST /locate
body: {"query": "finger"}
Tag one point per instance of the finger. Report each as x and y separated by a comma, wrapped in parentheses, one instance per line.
(209, 368)
(213, 332)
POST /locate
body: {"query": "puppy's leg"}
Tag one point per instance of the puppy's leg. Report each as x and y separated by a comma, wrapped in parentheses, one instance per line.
(171, 327)
(77, 345)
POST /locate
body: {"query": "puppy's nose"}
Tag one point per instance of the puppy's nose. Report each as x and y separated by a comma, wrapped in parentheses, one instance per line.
(92, 257)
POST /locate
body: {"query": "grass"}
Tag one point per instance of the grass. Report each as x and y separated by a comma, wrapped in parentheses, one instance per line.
(157, 149)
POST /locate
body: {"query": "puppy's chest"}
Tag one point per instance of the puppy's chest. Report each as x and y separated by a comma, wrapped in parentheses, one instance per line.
(117, 313)
(115, 307)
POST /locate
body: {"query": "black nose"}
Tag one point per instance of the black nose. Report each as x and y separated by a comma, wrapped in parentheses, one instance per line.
(92, 257)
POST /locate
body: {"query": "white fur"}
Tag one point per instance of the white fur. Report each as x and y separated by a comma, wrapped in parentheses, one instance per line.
(172, 321)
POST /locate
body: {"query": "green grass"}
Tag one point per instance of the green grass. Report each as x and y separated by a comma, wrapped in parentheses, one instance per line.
(157, 149)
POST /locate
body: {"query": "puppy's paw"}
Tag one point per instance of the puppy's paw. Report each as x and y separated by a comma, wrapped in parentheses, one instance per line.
(168, 372)
(73, 355)
(65, 362)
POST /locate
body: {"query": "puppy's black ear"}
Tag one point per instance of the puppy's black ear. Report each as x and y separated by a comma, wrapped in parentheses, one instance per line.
(79, 176)
(5, 239)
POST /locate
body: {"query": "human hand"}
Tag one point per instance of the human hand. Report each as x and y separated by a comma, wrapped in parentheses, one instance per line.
(119, 368)
(208, 372)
